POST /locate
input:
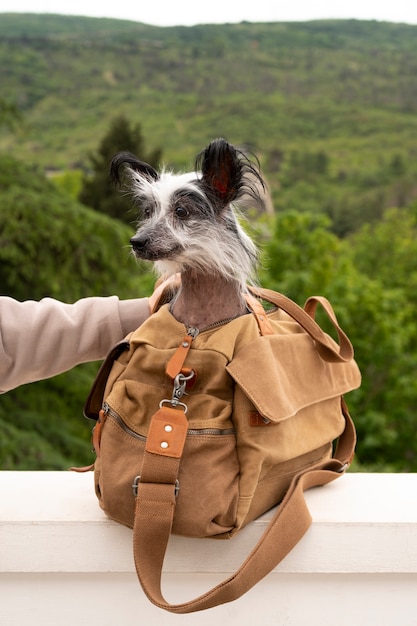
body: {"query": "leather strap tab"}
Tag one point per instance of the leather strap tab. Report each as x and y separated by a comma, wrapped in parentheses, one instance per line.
(82, 470)
(177, 360)
(167, 432)
(97, 431)
(261, 317)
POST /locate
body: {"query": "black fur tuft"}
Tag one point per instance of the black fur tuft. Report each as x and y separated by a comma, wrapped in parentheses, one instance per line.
(126, 159)
(227, 172)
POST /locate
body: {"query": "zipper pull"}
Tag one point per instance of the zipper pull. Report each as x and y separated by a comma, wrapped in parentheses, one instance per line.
(176, 362)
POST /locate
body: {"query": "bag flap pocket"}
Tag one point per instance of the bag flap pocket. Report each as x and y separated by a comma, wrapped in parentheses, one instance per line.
(282, 374)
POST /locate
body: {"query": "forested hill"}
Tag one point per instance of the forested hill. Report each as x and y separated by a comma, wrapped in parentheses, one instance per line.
(329, 108)
(346, 87)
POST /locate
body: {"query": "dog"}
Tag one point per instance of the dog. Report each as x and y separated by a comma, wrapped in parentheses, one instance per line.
(188, 224)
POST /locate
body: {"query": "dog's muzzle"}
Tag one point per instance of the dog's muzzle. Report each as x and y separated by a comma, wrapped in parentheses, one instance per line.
(149, 249)
(139, 244)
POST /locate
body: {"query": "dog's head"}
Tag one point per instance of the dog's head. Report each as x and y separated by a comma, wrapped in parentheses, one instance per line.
(188, 221)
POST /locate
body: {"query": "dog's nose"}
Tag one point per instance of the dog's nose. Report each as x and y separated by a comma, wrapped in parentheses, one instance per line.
(139, 243)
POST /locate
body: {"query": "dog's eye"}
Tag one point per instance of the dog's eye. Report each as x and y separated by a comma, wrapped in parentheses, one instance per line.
(181, 212)
(146, 212)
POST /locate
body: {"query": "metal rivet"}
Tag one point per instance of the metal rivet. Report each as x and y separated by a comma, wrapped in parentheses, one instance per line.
(164, 445)
(168, 428)
(185, 344)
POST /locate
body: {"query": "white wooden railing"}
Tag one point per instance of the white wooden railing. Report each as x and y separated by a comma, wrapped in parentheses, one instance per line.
(62, 562)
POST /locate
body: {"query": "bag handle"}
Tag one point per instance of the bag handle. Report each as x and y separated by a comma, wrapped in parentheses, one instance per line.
(154, 514)
(328, 349)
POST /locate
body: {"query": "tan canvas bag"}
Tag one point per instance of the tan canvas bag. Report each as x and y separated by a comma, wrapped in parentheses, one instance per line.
(199, 436)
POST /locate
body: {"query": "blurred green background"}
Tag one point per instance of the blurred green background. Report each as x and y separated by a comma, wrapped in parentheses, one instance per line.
(329, 108)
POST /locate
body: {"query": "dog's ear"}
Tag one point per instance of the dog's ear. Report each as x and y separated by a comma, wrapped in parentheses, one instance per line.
(126, 159)
(221, 170)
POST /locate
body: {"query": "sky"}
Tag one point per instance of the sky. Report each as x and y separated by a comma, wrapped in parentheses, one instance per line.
(191, 12)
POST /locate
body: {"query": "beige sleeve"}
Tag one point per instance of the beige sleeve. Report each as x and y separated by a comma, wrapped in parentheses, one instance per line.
(41, 339)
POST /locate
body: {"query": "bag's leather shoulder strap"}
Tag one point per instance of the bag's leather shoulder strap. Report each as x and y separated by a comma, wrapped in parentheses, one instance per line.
(155, 507)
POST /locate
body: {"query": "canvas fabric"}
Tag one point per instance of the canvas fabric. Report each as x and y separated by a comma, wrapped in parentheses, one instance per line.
(256, 426)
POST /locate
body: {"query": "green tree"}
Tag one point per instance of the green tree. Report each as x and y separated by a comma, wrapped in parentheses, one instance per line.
(393, 253)
(10, 116)
(97, 190)
(50, 245)
(300, 256)
(386, 251)
(370, 279)
(380, 322)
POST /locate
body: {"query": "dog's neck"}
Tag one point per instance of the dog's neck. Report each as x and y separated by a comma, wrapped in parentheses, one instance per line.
(206, 300)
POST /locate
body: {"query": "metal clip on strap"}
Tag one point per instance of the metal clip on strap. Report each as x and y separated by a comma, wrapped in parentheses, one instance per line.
(137, 481)
(180, 383)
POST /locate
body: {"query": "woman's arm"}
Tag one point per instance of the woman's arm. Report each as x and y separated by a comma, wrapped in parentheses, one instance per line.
(42, 339)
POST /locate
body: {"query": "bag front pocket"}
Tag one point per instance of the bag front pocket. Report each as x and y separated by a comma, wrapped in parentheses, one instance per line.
(208, 478)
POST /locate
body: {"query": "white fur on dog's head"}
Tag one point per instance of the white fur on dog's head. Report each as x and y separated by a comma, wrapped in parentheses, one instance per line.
(188, 221)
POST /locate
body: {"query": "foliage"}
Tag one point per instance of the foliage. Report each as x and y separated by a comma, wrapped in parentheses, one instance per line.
(98, 191)
(329, 106)
(47, 430)
(69, 181)
(330, 109)
(300, 254)
(375, 304)
(52, 246)
(10, 115)
(393, 253)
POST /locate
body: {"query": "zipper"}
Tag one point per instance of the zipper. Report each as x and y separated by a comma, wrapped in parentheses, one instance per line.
(116, 417)
(211, 431)
(193, 332)
(190, 432)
